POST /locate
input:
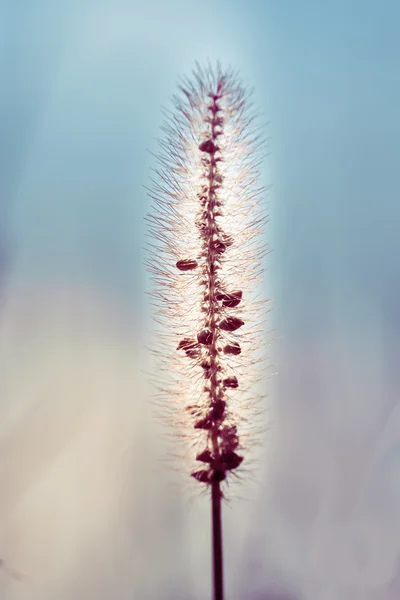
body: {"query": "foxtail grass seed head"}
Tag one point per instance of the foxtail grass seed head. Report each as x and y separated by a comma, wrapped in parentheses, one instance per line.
(206, 257)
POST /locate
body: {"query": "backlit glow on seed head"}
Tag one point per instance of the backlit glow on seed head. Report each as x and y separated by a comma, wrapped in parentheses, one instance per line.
(206, 259)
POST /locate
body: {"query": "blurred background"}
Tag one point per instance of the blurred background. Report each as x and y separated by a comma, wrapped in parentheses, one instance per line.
(84, 511)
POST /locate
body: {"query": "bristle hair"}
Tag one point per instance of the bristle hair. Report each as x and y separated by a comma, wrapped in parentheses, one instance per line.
(205, 257)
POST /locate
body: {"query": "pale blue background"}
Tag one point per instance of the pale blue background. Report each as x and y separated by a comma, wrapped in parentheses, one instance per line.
(82, 83)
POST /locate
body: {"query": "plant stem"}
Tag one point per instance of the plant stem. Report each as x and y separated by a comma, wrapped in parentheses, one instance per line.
(218, 567)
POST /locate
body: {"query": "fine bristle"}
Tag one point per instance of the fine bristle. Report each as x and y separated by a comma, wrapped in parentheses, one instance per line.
(206, 259)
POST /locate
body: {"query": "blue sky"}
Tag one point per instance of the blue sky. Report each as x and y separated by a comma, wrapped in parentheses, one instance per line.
(83, 83)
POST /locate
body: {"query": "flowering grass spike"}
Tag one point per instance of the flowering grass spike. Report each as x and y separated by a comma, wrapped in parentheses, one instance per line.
(206, 259)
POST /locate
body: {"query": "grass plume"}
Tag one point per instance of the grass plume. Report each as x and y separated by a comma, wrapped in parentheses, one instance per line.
(206, 259)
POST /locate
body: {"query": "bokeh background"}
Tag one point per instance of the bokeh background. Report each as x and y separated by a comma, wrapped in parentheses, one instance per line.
(85, 511)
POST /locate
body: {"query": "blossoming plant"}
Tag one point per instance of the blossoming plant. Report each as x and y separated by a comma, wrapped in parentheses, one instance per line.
(206, 259)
